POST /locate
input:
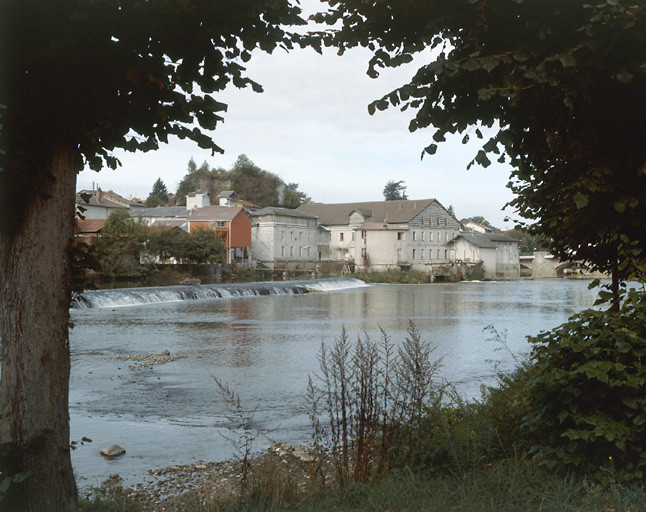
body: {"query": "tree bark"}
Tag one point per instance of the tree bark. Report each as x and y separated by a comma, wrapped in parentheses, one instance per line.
(34, 323)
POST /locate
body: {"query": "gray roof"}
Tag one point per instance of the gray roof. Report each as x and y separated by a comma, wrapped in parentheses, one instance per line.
(181, 224)
(499, 237)
(478, 239)
(215, 213)
(485, 240)
(283, 212)
(396, 212)
(160, 211)
(227, 193)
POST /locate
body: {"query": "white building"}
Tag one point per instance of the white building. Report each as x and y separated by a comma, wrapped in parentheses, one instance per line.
(199, 199)
(283, 238)
(380, 235)
(496, 253)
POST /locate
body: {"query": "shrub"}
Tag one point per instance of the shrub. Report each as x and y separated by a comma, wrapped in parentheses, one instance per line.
(586, 399)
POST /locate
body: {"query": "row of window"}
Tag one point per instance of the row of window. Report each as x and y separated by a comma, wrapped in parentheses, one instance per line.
(283, 251)
(291, 236)
(430, 254)
(447, 236)
(401, 235)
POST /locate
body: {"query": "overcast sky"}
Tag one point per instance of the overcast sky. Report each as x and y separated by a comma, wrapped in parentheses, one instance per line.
(311, 126)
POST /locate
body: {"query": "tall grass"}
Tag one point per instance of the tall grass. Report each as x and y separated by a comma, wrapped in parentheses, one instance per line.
(373, 397)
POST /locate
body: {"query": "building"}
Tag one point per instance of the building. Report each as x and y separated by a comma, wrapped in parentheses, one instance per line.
(232, 224)
(382, 235)
(199, 199)
(472, 225)
(99, 204)
(88, 231)
(283, 238)
(497, 254)
(230, 198)
(160, 214)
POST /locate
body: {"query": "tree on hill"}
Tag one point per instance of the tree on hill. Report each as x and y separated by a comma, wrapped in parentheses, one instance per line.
(561, 87)
(249, 182)
(81, 80)
(159, 194)
(395, 190)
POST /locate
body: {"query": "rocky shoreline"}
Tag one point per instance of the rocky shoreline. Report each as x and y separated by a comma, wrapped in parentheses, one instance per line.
(171, 487)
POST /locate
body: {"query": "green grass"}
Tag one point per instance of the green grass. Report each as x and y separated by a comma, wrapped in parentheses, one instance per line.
(511, 486)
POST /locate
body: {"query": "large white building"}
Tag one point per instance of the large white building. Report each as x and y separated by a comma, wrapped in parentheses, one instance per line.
(381, 235)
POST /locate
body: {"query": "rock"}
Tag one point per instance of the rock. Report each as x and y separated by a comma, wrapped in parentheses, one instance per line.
(114, 450)
(165, 353)
(303, 454)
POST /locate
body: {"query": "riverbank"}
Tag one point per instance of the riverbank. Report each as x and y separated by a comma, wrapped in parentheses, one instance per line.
(279, 481)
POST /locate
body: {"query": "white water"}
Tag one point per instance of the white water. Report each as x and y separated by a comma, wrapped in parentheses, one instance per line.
(159, 295)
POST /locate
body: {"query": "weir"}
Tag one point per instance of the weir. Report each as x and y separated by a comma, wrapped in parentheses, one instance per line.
(154, 295)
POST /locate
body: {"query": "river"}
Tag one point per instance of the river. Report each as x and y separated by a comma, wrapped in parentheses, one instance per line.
(265, 345)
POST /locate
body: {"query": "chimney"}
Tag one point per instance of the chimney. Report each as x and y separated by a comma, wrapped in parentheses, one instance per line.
(98, 194)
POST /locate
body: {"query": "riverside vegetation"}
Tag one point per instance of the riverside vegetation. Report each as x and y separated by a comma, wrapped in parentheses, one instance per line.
(565, 431)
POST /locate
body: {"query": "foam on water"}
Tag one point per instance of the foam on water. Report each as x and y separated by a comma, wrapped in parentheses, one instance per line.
(156, 295)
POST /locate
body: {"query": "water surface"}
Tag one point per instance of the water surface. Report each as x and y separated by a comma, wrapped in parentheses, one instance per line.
(265, 347)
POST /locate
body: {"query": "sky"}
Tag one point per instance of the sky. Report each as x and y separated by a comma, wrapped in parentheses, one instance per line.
(311, 126)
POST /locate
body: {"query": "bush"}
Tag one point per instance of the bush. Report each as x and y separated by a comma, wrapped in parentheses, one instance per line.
(586, 397)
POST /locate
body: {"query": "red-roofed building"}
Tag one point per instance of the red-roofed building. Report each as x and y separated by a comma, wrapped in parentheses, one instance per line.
(231, 223)
(88, 230)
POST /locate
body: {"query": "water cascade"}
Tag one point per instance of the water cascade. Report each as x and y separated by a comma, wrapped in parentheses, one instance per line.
(159, 294)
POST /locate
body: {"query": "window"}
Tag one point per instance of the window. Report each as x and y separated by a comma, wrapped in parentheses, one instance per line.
(413, 253)
(300, 252)
(422, 236)
(414, 235)
(446, 254)
(291, 250)
(341, 237)
(430, 236)
(363, 234)
(364, 252)
(400, 235)
(282, 251)
(438, 254)
(353, 236)
(421, 254)
(446, 236)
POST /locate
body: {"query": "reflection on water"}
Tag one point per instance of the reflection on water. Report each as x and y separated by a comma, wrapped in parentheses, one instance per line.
(266, 347)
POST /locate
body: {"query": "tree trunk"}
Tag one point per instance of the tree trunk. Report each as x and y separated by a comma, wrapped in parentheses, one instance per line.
(34, 323)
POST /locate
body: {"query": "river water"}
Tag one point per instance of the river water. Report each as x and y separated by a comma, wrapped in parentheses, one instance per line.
(265, 346)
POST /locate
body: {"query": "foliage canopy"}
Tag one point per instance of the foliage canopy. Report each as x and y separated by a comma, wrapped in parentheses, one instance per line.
(560, 84)
(102, 75)
(395, 190)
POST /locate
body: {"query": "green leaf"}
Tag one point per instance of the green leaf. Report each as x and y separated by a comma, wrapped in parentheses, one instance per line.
(581, 200)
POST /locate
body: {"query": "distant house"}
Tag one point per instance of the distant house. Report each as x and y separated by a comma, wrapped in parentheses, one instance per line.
(198, 199)
(160, 214)
(101, 204)
(380, 235)
(281, 237)
(472, 225)
(497, 253)
(89, 230)
(231, 223)
(231, 199)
